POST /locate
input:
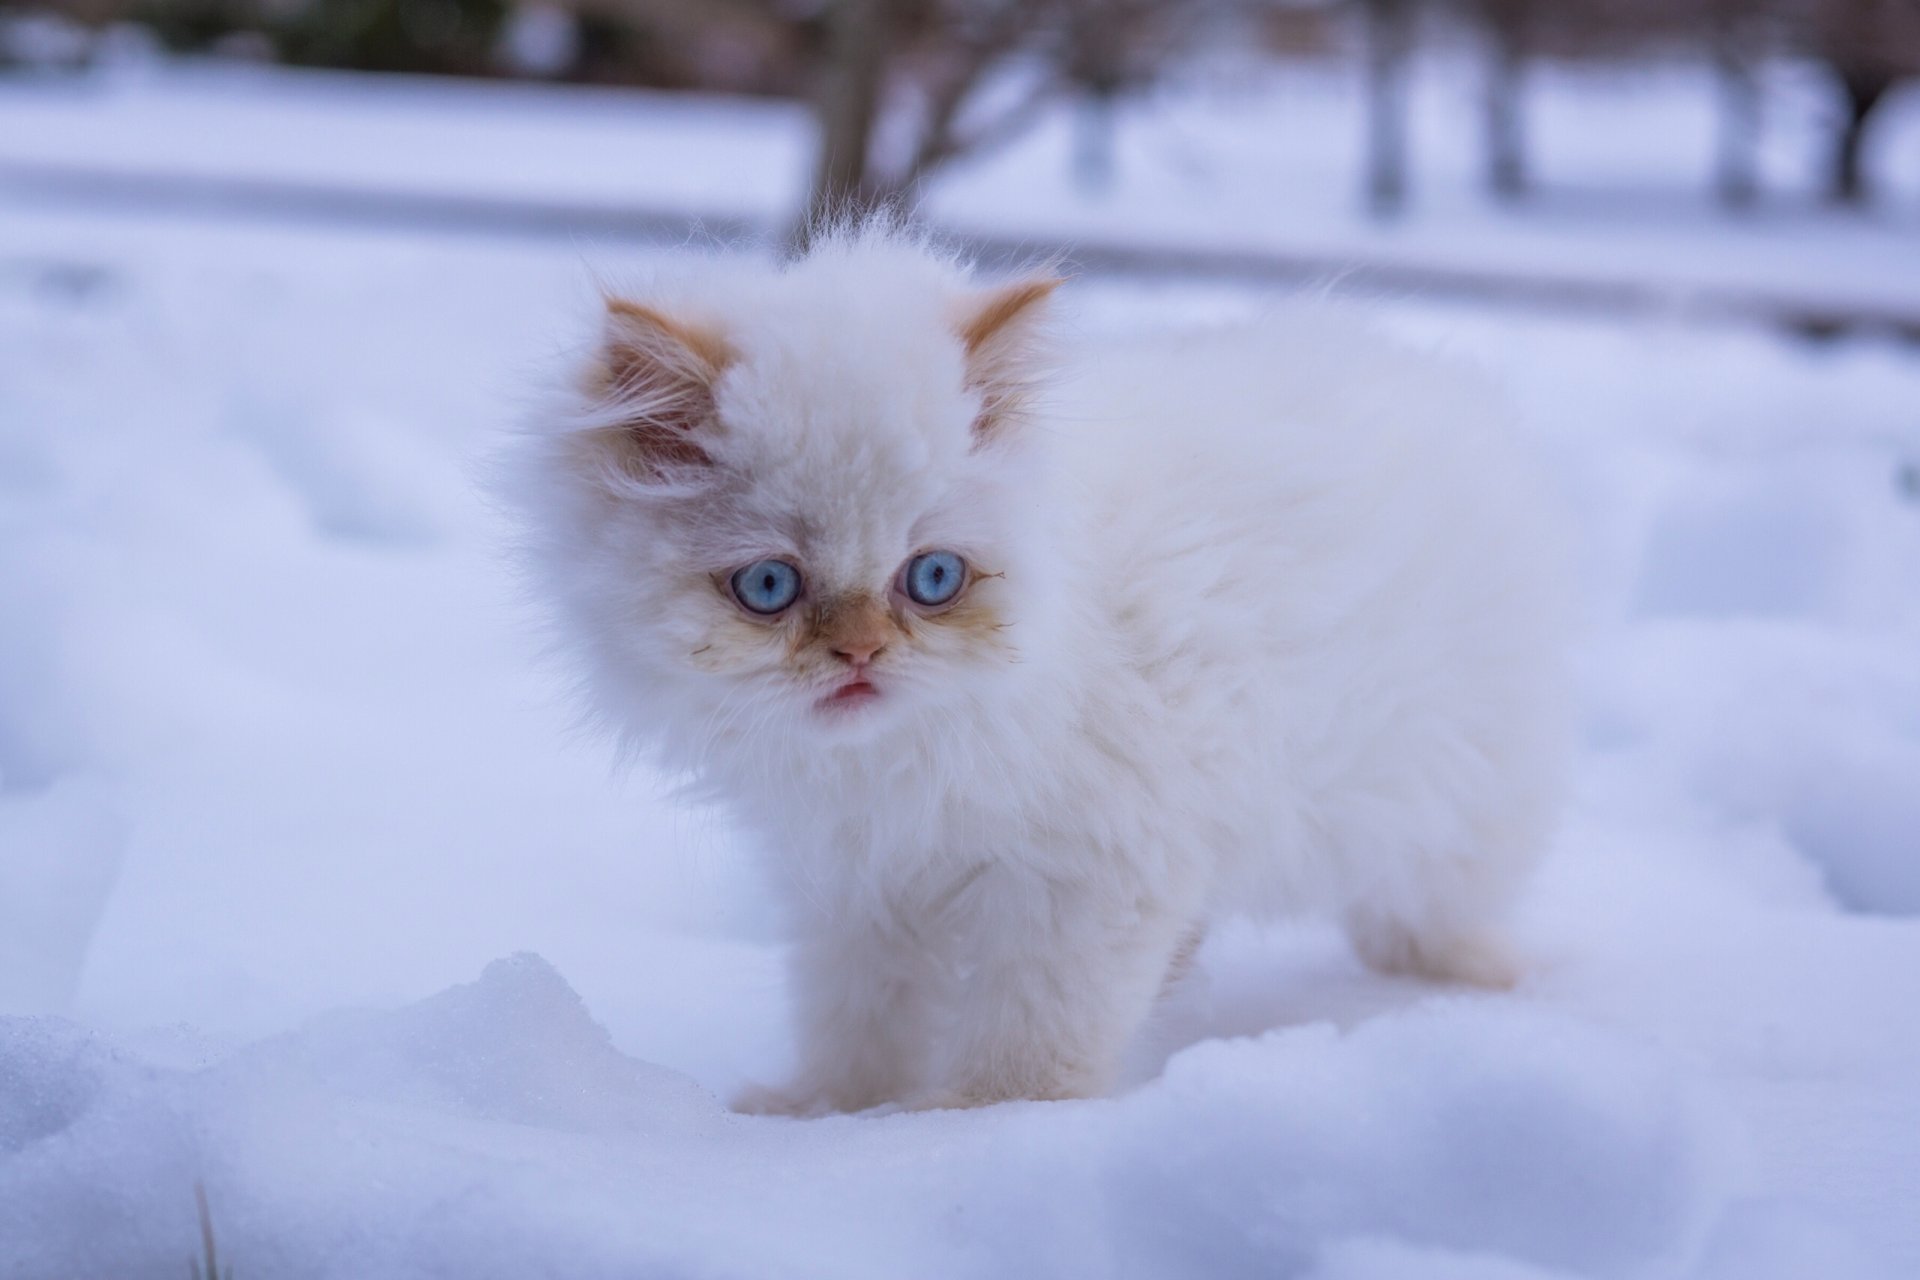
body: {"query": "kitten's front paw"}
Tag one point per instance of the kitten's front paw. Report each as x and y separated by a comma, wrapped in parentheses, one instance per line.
(802, 1100)
(766, 1100)
(968, 1097)
(950, 1100)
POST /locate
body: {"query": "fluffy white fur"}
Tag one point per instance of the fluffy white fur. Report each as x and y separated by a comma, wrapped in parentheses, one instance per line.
(1275, 630)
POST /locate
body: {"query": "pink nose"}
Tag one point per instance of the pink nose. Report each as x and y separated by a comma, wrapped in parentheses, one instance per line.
(858, 652)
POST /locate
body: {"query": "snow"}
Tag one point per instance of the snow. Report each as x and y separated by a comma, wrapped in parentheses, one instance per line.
(309, 894)
(492, 1126)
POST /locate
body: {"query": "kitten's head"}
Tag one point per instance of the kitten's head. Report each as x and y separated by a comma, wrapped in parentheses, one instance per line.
(800, 508)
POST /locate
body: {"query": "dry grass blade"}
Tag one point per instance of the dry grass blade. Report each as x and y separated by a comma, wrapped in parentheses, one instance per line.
(207, 1265)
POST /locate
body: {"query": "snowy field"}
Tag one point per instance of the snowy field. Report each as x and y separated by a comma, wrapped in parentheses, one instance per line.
(309, 896)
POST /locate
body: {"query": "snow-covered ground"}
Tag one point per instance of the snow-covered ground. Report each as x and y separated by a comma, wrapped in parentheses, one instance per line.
(308, 895)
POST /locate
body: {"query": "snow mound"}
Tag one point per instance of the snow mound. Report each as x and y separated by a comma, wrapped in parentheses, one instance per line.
(51, 1074)
(1460, 1127)
(1815, 734)
(516, 1046)
(492, 1128)
(351, 1139)
(359, 479)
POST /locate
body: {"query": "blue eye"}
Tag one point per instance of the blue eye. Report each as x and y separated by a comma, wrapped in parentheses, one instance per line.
(766, 586)
(935, 578)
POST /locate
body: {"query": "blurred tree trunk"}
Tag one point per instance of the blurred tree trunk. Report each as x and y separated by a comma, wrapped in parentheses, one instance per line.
(1093, 130)
(1389, 39)
(1507, 22)
(1736, 58)
(1870, 46)
(950, 78)
(859, 34)
(1864, 88)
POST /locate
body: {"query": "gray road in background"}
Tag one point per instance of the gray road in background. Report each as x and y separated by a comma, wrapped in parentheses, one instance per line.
(336, 206)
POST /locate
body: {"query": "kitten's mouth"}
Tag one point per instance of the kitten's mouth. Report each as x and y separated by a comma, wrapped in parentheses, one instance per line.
(851, 694)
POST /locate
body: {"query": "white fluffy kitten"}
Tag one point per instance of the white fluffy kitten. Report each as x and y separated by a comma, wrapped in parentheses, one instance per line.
(1028, 664)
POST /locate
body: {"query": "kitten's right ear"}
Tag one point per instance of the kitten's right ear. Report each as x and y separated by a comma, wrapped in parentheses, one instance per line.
(998, 328)
(656, 377)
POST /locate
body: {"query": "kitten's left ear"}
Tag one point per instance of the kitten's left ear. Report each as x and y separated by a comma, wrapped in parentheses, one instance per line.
(1000, 328)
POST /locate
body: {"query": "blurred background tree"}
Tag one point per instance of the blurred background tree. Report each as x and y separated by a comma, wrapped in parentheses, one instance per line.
(901, 88)
(446, 37)
(1869, 47)
(910, 85)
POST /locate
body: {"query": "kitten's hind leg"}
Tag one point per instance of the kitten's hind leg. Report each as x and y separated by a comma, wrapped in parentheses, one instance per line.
(1180, 964)
(1446, 926)
(1476, 957)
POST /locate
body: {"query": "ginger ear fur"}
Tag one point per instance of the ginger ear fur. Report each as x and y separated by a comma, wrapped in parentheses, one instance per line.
(999, 331)
(656, 377)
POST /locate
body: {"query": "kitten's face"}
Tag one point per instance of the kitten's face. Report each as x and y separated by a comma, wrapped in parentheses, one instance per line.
(839, 606)
(830, 532)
